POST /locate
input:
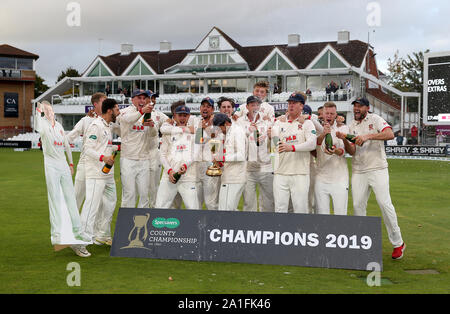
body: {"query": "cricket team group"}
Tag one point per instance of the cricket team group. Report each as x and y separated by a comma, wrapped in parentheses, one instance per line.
(210, 160)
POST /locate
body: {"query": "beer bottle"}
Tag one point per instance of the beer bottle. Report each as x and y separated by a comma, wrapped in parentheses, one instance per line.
(106, 167)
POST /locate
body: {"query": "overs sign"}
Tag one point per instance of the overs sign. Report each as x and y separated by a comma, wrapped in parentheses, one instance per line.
(327, 241)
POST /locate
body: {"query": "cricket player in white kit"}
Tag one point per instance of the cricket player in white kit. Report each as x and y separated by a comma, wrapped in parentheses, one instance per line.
(137, 139)
(203, 126)
(80, 130)
(331, 167)
(295, 139)
(101, 196)
(234, 158)
(260, 90)
(370, 168)
(158, 118)
(58, 174)
(259, 164)
(177, 157)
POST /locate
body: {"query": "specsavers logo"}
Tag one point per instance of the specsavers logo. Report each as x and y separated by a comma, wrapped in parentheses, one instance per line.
(170, 223)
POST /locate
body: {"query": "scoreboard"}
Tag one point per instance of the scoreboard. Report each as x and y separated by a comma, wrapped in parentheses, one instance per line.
(436, 88)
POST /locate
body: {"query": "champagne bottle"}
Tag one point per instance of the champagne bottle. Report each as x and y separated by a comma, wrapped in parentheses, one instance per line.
(147, 115)
(106, 167)
(177, 176)
(257, 137)
(199, 136)
(351, 138)
(328, 141)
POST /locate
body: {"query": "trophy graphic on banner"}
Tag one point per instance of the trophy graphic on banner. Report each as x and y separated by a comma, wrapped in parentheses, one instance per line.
(140, 221)
(214, 170)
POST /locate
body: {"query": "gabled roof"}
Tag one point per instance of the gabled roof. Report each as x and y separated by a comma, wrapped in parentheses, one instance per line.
(7, 50)
(302, 55)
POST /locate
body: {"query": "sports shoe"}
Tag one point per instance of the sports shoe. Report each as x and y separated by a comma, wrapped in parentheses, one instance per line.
(398, 251)
(80, 250)
(82, 237)
(107, 241)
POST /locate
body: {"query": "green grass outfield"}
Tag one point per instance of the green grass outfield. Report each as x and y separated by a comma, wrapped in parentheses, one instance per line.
(420, 193)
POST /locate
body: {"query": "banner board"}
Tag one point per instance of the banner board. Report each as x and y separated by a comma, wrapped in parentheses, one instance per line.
(11, 105)
(15, 144)
(430, 151)
(328, 241)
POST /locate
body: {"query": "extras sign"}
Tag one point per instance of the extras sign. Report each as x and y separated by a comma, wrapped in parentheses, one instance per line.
(432, 151)
(248, 237)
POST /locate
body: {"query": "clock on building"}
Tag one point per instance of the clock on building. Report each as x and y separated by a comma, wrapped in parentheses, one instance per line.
(214, 42)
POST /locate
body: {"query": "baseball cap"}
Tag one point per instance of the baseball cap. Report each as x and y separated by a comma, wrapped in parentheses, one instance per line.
(149, 93)
(138, 92)
(182, 109)
(297, 98)
(361, 100)
(220, 119)
(307, 109)
(252, 98)
(209, 100)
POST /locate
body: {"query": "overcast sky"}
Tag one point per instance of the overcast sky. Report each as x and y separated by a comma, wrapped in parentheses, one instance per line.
(41, 27)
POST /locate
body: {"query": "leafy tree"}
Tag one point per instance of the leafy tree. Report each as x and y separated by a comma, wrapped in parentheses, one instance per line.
(406, 74)
(39, 86)
(70, 72)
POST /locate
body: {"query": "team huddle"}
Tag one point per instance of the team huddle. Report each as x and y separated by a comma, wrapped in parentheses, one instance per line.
(296, 160)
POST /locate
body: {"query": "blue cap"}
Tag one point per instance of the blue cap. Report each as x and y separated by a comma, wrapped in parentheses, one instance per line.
(252, 98)
(182, 109)
(307, 109)
(138, 92)
(149, 93)
(220, 119)
(209, 100)
(297, 98)
(361, 100)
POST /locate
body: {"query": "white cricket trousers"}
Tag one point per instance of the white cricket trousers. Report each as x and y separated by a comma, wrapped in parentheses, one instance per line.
(155, 177)
(230, 195)
(378, 180)
(265, 181)
(295, 187)
(99, 206)
(167, 192)
(338, 192)
(60, 189)
(209, 189)
(80, 184)
(135, 176)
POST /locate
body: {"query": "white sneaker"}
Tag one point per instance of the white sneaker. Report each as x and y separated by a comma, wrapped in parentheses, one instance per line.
(80, 250)
(107, 241)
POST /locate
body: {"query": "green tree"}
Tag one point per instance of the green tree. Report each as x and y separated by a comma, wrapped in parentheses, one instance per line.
(39, 86)
(406, 74)
(70, 72)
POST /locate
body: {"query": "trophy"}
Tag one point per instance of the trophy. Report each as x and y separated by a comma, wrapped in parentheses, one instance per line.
(214, 170)
(140, 222)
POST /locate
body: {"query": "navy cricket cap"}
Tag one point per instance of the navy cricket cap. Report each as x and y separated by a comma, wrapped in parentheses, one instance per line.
(307, 109)
(148, 93)
(297, 98)
(220, 119)
(209, 100)
(252, 98)
(182, 109)
(138, 92)
(362, 101)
